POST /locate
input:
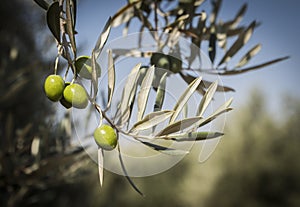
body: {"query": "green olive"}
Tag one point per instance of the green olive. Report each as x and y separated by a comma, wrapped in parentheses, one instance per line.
(160, 60)
(176, 64)
(76, 95)
(63, 101)
(54, 86)
(106, 137)
(83, 66)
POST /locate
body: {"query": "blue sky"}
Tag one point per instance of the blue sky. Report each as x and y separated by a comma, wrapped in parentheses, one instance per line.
(279, 35)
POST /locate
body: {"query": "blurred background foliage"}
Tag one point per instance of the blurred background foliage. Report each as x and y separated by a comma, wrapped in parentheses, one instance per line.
(255, 164)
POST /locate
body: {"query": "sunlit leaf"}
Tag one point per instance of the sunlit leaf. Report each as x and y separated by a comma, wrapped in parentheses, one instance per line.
(111, 78)
(94, 76)
(144, 92)
(238, 44)
(129, 93)
(185, 97)
(165, 150)
(207, 98)
(151, 120)
(100, 165)
(102, 38)
(189, 79)
(222, 109)
(192, 136)
(245, 59)
(160, 94)
(42, 3)
(123, 15)
(53, 20)
(179, 126)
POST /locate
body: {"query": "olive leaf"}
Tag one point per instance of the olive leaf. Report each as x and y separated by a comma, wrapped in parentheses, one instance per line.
(100, 165)
(160, 94)
(143, 95)
(151, 120)
(222, 109)
(191, 136)
(239, 43)
(94, 76)
(207, 98)
(42, 3)
(165, 150)
(126, 174)
(123, 15)
(111, 78)
(128, 94)
(185, 97)
(238, 17)
(179, 126)
(102, 38)
(246, 58)
(243, 70)
(53, 20)
(70, 25)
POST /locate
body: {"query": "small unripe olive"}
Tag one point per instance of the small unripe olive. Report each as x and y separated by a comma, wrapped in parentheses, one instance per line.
(106, 137)
(76, 95)
(63, 101)
(54, 86)
(176, 64)
(83, 66)
(160, 60)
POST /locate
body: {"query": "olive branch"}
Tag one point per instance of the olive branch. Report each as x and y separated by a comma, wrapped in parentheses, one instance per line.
(177, 19)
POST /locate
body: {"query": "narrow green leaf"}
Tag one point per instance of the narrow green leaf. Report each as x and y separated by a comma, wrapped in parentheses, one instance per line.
(165, 150)
(189, 79)
(184, 98)
(216, 8)
(160, 94)
(74, 9)
(212, 46)
(246, 58)
(70, 25)
(255, 67)
(222, 109)
(192, 136)
(42, 3)
(207, 98)
(102, 38)
(123, 15)
(205, 83)
(126, 174)
(128, 94)
(238, 44)
(111, 78)
(144, 92)
(238, 17)
(53, 20)
(151, 120)
(94, 76)
(179, 126)
(100, 165)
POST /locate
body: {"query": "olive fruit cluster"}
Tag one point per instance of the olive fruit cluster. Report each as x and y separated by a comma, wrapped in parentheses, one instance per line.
(105, 137)
(167, 62)
(68, 94)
